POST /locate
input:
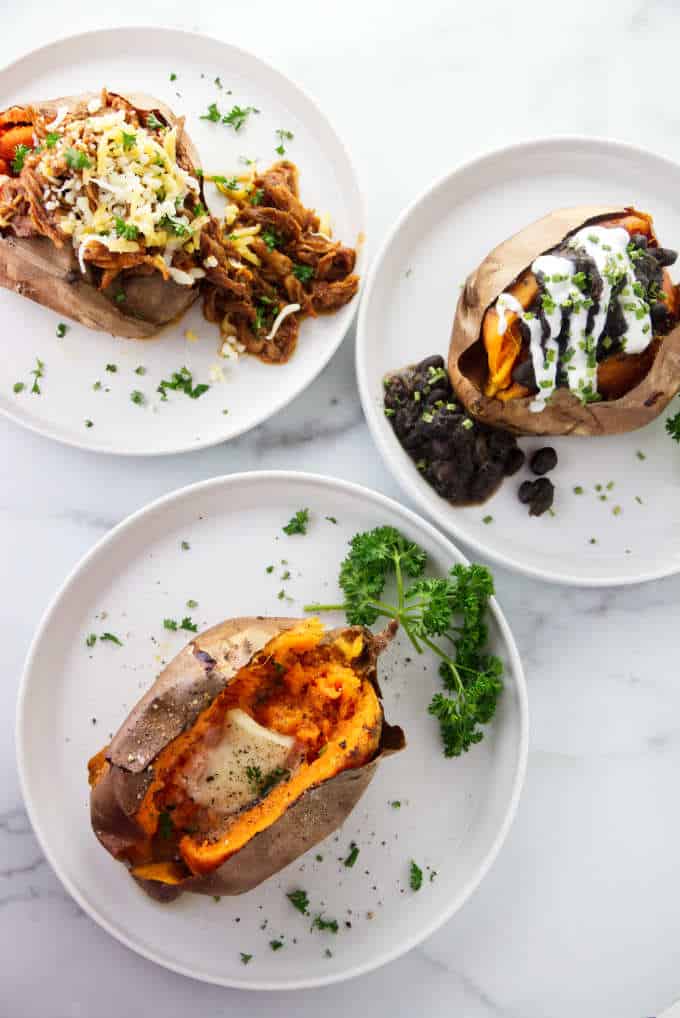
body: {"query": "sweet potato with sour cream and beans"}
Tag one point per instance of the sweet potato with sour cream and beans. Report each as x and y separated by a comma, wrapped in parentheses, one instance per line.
(570, 327)
(253, 744)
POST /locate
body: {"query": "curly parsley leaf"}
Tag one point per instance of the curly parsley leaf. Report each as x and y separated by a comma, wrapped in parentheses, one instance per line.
(673, 427)
(298, 523)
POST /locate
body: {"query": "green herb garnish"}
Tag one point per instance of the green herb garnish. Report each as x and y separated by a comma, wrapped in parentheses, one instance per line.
(18, 387)
(298, 523)
(37, 372)
(137, 397)
(453, 607)
(283, 136)
(415, 876)
(673, 427)
(153, 122)
(299, 900)
(166, 827)
(327, 925)
(245, 958)
(20, 153)
(91, 640)
(111, 638)
(353, 854)
(182, 381)
(77, 160)
(303, 272)
(128, 231)
(276, 945)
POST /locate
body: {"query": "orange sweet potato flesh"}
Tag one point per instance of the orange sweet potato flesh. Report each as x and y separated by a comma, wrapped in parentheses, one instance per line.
(503, 350)
(14, 136)
(297, 680)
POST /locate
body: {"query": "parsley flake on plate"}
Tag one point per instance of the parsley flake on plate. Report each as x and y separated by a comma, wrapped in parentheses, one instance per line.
(297, 523)
(415, 876)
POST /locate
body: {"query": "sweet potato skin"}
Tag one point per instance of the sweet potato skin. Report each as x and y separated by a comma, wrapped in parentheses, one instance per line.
(36, 268)
(565, 415)
(186, 686)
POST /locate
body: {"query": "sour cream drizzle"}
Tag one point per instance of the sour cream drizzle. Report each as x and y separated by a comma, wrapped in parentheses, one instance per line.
(608, 248)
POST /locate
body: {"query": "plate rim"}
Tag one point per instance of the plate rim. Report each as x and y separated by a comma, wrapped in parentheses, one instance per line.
(225, 482)
(359, 198)
(441, 515)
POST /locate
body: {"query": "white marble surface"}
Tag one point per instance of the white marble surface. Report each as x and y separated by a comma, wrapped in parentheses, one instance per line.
(581, 914)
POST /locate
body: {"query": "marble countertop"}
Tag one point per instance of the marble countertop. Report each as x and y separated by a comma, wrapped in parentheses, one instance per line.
(580, 916)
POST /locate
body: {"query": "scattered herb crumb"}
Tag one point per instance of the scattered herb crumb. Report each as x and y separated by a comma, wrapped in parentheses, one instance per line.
(111, 638)
(245, 958)
(217, 897)
(328, 953)
(297, 523)
(640, 455)
(141, 370)
(325, 925)
(487, 519)
(37, 372)
(283, 135)
(191, 603)
(299, 900)
(18, 387)
(112, 368)
(331, 519)
(62, 329)
(269, 569)
(91, 640)
(276, 945)
(415, 876)
(281, 594)
(638, 499)
(185, 546)
(578, 490)
(137, 397)
(673, 427)
(617, 510)
(396, 804)
(353, 854)
(319, 858)
(88, 423)
(173, 76)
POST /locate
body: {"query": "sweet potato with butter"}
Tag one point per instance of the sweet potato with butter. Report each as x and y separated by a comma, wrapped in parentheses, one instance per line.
(253, 744)
(572, 326)
(101, 210)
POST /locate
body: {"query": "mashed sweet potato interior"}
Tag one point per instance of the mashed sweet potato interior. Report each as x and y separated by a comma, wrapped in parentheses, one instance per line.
(297, 686)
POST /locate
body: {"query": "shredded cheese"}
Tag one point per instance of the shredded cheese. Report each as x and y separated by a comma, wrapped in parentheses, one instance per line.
(289, 309)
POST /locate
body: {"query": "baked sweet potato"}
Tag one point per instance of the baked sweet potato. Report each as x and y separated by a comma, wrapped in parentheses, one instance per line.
(101, 210)
(572, 326)
(252, 745)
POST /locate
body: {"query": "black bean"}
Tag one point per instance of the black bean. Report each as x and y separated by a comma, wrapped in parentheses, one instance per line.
(437, 394)
(514, 462)
(544, 494)
(664, 255)
(525, 492)
(524, 374)
(430, 362)
(543, 460)
(661, 317)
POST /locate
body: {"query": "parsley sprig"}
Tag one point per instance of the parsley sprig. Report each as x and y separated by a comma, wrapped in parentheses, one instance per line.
(673, 427)
(182, 381)
(429, 609)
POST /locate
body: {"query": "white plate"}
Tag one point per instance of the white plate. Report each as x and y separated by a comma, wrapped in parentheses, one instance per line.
(143, 59)
(454, 815)
(407, 313)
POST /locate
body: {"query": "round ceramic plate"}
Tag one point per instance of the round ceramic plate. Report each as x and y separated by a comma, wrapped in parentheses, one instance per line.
(212, 543)
(625, 527)
(206, 71)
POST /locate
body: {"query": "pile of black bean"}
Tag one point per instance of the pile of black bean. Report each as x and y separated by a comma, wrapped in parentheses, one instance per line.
(463, 460)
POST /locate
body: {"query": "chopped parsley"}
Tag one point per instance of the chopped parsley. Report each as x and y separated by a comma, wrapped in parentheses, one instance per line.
(129, 140)
(245, 958)
(77, 160)
(112, 368)
(137, 397)
(415, 876)
(120, 297)
(213, 114)
(640, 455)
(276, 945)
(298, 523)
(20, 153)
(141, 370)
(173, 76)
(270, 238)
(303, 272)
(171, 225)
(269, 569)
(283, 136)
(89, 423)
(256, 196)
(37, 372)
(299, 900)
(91, 640)
(254, 775)
(191, 603)
(18, 387)
(331, 519)
(128, 231)
(673, 427)
(325, 925)
(186, 624)
(237, 116)
(153, 122)
(353, 854)
(396, 804)
(182, 381)
(487, 519)
(185, 546)
(111, 638)
(51, 139)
